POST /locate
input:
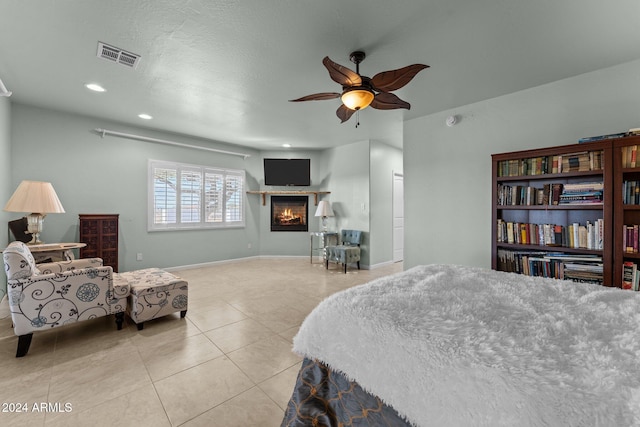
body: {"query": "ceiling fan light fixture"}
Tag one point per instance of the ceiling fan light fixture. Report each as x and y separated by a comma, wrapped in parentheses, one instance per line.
(357, 98)
(360, 91)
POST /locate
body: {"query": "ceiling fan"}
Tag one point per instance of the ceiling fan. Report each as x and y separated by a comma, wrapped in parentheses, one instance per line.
(359, 92)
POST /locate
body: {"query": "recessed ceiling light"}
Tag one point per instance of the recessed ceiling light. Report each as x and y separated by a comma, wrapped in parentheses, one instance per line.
(286, 145)
(145, 116)
(95, 87)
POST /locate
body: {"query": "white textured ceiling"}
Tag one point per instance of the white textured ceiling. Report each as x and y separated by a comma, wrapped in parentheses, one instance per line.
(225, 70)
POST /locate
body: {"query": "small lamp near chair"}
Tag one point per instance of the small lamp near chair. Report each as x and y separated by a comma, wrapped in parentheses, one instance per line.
(36, 197)
(324, 210)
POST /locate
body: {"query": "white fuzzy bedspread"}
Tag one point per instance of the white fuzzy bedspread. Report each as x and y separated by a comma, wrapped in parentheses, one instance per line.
(460, 346)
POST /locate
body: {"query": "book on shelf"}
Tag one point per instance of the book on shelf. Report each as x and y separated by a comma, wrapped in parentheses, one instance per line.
(589, 258)
(546, 194)
(630, 156)
(556, 191)
(583, 239)
(631, 192)
(603, 137)
(631, 238)
(629, 271)
(510, 235)
(573, 187)
(630, 276)
(617, 135)
(557, 234)
(584, 198)
(524, 233)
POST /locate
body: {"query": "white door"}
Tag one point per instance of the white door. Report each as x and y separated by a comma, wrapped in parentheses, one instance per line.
(398, 217)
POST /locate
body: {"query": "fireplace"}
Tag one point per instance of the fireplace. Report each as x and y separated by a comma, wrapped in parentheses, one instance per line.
(289, 213)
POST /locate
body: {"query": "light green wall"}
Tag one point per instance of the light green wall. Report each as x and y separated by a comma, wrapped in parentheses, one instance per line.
(446, 172)
(6, 188)
(347, 175)
(92, 174)
(385, 160)
(448, 169)
(109, 175)
(289, 243)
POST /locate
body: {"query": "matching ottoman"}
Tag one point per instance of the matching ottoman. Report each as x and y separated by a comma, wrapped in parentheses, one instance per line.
(155, 293)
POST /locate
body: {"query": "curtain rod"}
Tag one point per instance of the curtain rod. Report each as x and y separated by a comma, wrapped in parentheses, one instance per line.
(103, 132)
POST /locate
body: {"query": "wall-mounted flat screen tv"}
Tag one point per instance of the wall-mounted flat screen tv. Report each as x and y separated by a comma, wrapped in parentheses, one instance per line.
(287, 172)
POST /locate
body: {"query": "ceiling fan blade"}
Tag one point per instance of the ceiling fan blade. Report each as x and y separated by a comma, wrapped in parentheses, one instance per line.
(395, 79)
(344, 113)
(341, 75)
(317, 97)
(388, 101)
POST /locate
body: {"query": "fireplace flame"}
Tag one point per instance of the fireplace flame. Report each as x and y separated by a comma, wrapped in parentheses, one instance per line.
(289, 213)
(287, 216)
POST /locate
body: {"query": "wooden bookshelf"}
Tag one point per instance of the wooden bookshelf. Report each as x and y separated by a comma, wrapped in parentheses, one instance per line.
(534, 169)
(626, 209)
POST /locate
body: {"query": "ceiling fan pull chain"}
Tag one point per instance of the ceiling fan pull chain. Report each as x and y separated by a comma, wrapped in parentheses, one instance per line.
(357, 118)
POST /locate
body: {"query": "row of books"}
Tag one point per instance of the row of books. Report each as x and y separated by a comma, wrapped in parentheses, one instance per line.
(550, 194)
(630, 156)
(587, 236)
(579, 268)
(520, 195)
(631, 192)
(630, 276)
(575, 162)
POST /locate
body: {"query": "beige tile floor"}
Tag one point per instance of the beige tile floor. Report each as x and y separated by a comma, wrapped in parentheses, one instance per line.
(228, 363)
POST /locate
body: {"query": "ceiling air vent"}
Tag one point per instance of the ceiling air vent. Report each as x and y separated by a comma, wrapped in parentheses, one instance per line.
(115, 54)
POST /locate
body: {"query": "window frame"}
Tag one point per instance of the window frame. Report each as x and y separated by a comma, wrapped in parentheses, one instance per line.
(207, 174)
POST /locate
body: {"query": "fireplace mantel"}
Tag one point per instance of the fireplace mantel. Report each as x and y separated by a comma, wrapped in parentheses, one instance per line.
(289, 192)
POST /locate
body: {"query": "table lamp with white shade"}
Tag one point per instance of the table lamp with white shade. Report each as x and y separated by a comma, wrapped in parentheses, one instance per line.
(36, 197)
(324, 210)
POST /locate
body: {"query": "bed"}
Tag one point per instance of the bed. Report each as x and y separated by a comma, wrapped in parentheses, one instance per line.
(444, 345)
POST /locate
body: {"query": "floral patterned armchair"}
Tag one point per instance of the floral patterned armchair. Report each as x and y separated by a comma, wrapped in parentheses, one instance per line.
(45, 296)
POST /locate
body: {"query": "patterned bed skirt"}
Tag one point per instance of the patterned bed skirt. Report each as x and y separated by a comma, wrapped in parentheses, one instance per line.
(323, 397)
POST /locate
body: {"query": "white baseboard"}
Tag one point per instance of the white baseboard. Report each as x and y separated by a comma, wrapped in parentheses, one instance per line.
(5, 311)
(382, 264)
(239, 260)
(230, 261)
(211, 263)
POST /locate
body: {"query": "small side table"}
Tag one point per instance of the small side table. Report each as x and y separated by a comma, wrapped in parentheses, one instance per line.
(324, 237)
(54, 251)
